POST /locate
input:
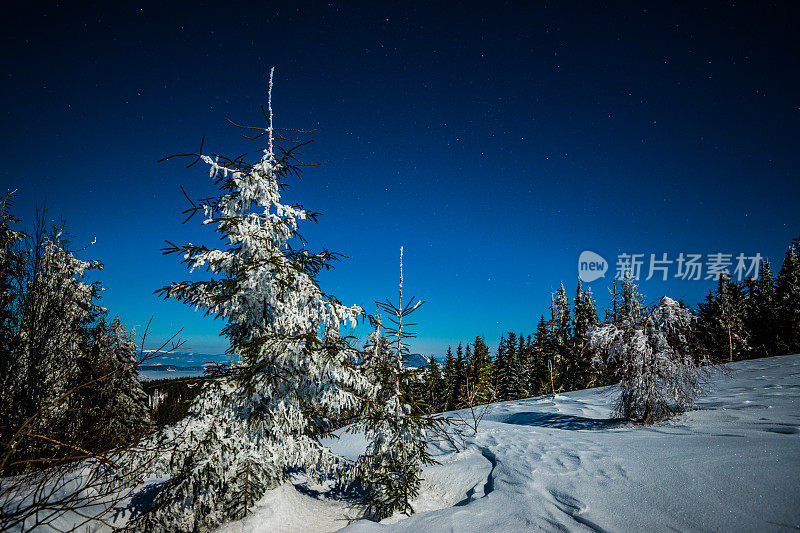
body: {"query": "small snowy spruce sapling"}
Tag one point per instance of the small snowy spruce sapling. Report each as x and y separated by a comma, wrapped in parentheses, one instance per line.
(394, 422)
(658, 374)
(294, 372)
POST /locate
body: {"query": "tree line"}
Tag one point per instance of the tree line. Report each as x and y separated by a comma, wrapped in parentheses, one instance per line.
(757, 317)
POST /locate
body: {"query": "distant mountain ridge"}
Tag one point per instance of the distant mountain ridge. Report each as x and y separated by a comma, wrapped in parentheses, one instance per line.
(190, 362)
(167, 368)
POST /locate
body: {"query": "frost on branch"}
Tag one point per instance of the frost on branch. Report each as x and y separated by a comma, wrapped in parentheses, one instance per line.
(658, 375)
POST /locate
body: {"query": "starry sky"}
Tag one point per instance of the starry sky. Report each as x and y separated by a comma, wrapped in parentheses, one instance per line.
(494, 141)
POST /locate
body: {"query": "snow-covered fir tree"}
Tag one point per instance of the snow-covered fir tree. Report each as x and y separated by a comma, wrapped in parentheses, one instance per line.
(10, 273)
(449, 378)
(761, 314)
(579, 373)
(456, 400)
(434, 387)
(788, 300)
(293, 371)
(722, 319)
(539, 377)
(519, 368)
(394, 421)
(561, 333)
(54, 307)
(505, 365)
(612, 312)
(479, 374)
(630, 303)
(115, 407)
(654, 362)
(465, 369)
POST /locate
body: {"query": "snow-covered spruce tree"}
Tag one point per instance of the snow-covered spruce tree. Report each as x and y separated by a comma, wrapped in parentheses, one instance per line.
(53, 311)
(480, 373)
(503, 362)
(449, 379)
(561, 333)
(10, 272)
(394, 422)
(626, 310)
(539, 378)
(519, 367)
(722, 318)
(579, 369)
(459, 379)
(788, 300)
(294, 371)
(761, 316)
(114, 409)
(658, 373)
(434, 387)
(630, 305)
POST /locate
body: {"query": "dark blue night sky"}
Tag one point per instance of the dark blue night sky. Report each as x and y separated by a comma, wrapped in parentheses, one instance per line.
(495, 142)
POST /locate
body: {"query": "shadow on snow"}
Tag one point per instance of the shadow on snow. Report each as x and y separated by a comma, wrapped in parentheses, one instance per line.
(561, 421)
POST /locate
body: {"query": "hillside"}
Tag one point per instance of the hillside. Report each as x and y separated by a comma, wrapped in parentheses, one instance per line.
(561, 463)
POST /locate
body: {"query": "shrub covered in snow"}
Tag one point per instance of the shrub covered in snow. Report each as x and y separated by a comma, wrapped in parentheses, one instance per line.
(652, 359)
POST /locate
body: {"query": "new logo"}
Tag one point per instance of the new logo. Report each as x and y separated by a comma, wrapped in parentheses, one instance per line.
(591, 266)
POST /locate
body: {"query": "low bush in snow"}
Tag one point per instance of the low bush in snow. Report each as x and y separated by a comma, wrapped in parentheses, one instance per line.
(659, 376)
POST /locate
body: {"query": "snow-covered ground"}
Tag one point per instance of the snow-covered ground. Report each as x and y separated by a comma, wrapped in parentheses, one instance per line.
(561, 464)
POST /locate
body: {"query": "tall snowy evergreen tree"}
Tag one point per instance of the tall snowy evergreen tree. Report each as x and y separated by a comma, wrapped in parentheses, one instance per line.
(561, 336)
(54, 308)
(294, 371)
(115, 408)
(579, 374)
(613, 311)
(788, 300)
(455, 401)
(519, 367)
(449, 378)
(480, 373)
(504, 365)
(10, 273)
(630, 304)
(465, 377)
(529, 366)
(501, 376)
(539, 376)
(761, 317)
(722, 318)
(434, 387)
(395, 424)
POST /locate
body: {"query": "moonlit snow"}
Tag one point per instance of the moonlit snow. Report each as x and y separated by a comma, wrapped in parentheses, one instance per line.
(555, 464)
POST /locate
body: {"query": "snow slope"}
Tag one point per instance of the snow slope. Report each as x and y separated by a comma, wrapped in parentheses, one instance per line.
(557, 464)
(561, 464)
